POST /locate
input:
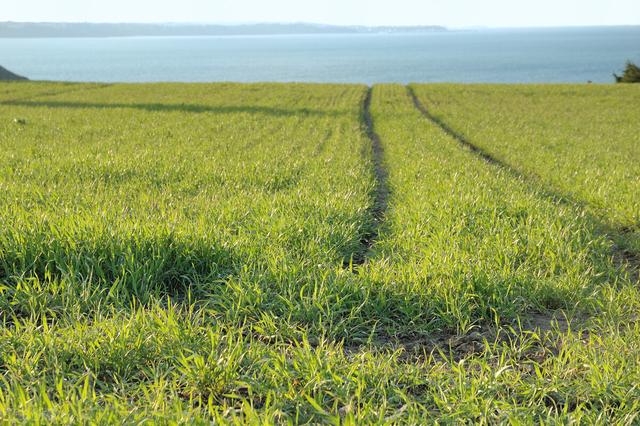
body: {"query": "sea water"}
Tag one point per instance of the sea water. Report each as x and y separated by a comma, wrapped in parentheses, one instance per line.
(491, 55)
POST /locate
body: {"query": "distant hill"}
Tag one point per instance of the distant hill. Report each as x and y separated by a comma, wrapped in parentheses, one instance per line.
(5, 74)
(42, 29)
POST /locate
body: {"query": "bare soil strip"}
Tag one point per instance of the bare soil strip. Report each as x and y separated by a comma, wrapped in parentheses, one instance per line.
(626, 259)
(381, 191)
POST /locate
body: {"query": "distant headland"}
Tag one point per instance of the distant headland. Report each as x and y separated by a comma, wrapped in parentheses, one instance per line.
(5, 74)
(54, 29)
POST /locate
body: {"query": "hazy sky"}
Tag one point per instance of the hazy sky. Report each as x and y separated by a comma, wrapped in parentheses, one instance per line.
(454, 13)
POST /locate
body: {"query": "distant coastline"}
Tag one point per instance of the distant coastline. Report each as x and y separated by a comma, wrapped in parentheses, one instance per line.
(59, 29)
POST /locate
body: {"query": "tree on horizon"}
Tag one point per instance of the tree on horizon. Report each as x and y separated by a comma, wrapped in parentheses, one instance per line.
(631, 74)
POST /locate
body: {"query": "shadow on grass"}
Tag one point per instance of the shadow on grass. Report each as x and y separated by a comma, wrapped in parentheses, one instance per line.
(188, 108)
(64, 89)
(45, 276)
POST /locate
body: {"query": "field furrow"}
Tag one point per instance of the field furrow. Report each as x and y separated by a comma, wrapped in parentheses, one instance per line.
(381, 192)
(461, 229)
(175, 253)
(581, 143)
(141, 201)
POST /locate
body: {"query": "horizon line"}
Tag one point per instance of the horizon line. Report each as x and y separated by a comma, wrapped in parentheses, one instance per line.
(248, 23)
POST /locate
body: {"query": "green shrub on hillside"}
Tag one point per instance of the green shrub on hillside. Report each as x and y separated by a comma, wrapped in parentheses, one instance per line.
(631, 74)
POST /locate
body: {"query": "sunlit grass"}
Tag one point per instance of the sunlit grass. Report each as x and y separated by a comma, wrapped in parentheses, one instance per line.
(185, 253)
(580, 142)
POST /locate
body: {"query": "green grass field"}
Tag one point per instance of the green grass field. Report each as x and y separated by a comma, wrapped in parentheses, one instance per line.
(296, 253)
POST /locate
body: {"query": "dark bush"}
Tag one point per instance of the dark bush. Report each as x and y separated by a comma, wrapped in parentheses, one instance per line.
(631, 74)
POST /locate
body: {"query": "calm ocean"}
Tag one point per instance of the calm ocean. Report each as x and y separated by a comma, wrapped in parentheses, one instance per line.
(518, 56)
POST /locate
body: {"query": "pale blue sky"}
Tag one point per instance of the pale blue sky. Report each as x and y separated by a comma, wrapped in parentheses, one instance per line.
(453, 13)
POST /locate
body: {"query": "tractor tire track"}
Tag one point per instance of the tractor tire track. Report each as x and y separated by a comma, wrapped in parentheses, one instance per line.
(378, 209)
(624, 258)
